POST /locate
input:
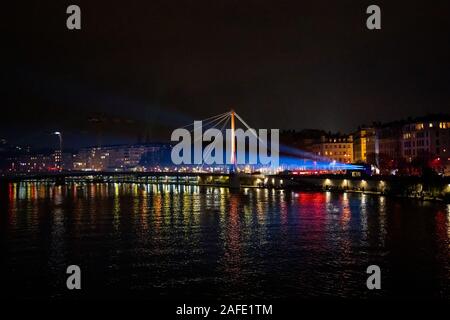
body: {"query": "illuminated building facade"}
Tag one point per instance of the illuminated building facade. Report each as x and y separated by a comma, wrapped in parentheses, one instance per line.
(121, 157)
(366, 146)
(337, 148)
(427, 142)
(40, 162)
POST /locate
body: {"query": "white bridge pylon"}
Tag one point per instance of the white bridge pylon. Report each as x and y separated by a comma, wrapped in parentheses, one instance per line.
(220, 122)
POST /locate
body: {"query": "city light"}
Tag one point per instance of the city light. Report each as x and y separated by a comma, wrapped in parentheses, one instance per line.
(127, 170)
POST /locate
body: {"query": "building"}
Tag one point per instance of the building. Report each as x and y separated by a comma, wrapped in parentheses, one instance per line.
(301, 140)
(38, 162)
(426, 142)
(366, 146)
(390, 146)
(336, 147)
(122, 157)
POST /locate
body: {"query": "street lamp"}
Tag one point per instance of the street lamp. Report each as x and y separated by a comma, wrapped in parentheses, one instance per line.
(59, 134)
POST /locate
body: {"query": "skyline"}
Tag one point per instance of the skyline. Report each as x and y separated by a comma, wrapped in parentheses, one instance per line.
(142, 139)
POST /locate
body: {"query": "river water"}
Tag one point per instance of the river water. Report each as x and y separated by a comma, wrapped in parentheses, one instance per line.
(186, 242)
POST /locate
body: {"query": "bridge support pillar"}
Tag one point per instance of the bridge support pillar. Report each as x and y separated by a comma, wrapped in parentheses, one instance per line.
(60, 181)
(234, 181)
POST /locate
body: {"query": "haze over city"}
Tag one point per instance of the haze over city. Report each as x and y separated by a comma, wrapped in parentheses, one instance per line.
(141, 70)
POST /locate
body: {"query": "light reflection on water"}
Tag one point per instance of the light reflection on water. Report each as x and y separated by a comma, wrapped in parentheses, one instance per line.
(163, 241)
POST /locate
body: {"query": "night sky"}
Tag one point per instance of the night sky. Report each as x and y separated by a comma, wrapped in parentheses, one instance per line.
(143, 68)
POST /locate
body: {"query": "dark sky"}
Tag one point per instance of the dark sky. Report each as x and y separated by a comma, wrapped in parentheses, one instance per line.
(150, 66)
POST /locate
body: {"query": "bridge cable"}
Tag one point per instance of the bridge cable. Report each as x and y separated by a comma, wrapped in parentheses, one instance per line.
(213, 117)
(215, 137)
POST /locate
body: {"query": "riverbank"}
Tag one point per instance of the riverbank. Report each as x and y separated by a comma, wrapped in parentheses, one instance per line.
(430, 189)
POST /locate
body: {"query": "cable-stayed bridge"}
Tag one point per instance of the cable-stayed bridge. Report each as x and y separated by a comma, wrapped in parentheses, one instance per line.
(234, 171)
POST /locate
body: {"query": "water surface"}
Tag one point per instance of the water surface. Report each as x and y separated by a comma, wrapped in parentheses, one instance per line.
(165, 241)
